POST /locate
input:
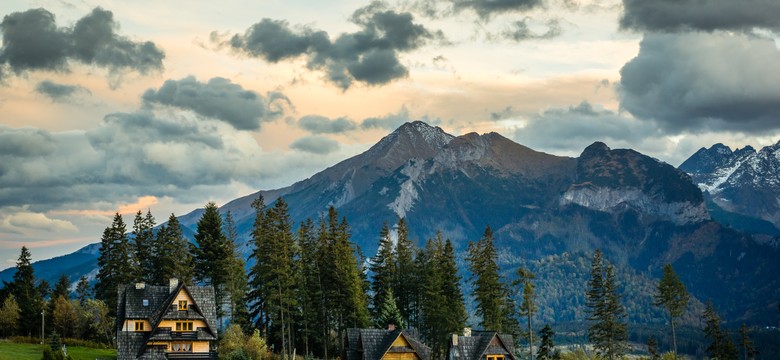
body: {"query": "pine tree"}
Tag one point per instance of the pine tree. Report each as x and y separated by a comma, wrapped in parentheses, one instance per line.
(673, 297)
(62, 287)
(172, 258)
(212, 254)
(721, 347)
(115, 263)
(144, 247)
(547, 346)
(441, 304)
(310, 292)
(83, 291)
(608, 331)
(494, 305)
(748, 350)
(528, 306)
(387, 312)
(27, 296)
(384, 273)
(238, 285)
(652, 348)
(405, 275)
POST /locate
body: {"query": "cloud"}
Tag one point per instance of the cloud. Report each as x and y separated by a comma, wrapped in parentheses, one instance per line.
(390, 121)
(21, 220)
(519, 31)
(706, 15)
(571, 129)
(221, 99)
(60, 92)
(315, 144)
(318, 124)
(32, 41)
(704, 81)
(369, 56)
(485, 9)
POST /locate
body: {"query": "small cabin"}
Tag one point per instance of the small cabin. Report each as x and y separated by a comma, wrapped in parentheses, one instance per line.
(166, 322)
(481, 345)
(379, 344)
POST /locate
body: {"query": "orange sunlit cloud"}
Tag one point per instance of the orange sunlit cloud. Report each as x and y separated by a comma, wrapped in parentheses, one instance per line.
(143, 202)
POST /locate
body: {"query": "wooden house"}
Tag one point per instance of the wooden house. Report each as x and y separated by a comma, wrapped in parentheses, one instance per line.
(481, 345)
(166, 322)
(379, 344)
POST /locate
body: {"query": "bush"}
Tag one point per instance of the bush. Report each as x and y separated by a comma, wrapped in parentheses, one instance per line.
(235, 345)
(48, 354)
(24, 340)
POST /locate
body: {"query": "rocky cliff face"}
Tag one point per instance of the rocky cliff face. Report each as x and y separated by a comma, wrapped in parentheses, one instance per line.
(617, 180)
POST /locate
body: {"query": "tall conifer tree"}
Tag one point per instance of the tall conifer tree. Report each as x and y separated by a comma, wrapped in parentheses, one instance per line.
(673, 297)
(528, 305)
(237, 283)
(172, 257)
(27, 295)
(405, 275)
(115, 263)
(212, 254)
(143, 244)
(383, 267)
(608, 331)
(494, 305)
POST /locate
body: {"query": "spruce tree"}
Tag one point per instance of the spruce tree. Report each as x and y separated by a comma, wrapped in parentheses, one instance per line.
(494, 305)
(387, 312)
(405, 275)
(310, 292)
(721, 346)
(673, 297)
(61, 287)
(528, 306)
(115, 263)
(748, 350)
(237, 285)
(83, 290)
(212, 254)
(652, 348)
(455, 317)
(27, 295)
(382, 267)
(607, 331)
(546, 346)
(172, 257)
(143, 244)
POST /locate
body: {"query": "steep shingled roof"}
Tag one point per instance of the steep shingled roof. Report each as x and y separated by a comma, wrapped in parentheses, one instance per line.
(372, 344)
(478, 345)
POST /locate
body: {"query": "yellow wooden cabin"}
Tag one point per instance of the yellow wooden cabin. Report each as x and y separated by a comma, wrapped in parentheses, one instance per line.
(378, 344)
(166, 322)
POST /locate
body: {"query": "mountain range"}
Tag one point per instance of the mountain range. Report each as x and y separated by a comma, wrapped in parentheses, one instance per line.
(715, 218)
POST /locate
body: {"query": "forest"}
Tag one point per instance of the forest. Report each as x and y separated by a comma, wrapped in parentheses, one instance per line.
(306, 283)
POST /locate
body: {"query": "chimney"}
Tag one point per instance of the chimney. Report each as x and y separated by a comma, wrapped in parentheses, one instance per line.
(173, 283)
(467, 332)
(140, 286)
(391, 327)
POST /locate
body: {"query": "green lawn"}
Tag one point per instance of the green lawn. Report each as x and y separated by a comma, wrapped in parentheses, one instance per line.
(13, 351)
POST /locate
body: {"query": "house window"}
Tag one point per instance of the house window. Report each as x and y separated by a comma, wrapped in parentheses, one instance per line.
(181, 347)
(184, 326)
(182, 305)
(495, 357)
(139, 326)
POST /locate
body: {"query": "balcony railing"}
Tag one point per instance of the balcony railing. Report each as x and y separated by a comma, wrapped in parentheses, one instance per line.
(192, 355)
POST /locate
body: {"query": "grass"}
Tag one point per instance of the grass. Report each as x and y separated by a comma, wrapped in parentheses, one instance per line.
(14, 351)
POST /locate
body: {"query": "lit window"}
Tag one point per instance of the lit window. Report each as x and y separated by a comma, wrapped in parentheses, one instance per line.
(181, 347)
(139, 326)
(495, 357)
(184, 326)
(182, 305)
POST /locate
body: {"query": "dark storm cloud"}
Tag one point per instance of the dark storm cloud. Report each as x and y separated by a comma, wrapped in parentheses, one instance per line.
(24, 142)
(692, 82)
(519, 31)
(60, 92)
(369, 56)
(707, 15)
(318, 124)
(575, 127)
(315, 144)
(220, 98)
(32, 41)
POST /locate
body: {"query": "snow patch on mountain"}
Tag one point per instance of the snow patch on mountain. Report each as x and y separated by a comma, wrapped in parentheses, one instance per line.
(408, 192)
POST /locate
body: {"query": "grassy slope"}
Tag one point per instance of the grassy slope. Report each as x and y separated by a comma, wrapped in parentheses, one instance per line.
(13, 351)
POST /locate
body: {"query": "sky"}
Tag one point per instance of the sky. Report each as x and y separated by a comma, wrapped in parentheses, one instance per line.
(121, 106)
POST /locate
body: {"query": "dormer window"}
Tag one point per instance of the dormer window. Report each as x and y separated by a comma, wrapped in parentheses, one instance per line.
(139, 326)
(182, 305)
(495, 357)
